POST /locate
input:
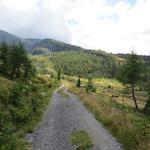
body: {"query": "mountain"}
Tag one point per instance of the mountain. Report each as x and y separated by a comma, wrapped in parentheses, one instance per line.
(29, 43)
(70, 59)
(9, 38)
(143, 57)
(37, 46)
(52, 45)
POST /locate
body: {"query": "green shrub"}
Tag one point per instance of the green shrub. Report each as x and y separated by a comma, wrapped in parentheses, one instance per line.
(90, 86)
(78, 83)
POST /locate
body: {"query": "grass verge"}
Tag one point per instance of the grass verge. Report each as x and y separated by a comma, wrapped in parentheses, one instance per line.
(132, 129)
(81, 139)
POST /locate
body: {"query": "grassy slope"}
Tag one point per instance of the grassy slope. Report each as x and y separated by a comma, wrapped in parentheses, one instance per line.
(30, 99)
(130, 128)
(43, 65)
(6, 86)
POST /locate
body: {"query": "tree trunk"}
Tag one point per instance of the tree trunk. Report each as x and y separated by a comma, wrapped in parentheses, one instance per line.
(133, 95)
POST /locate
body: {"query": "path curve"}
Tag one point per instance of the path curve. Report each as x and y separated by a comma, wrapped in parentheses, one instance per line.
(64, 114)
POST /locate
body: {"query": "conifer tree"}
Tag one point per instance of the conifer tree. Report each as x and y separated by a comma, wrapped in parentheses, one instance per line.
(4, 60)
(78, 82)
(130, 73)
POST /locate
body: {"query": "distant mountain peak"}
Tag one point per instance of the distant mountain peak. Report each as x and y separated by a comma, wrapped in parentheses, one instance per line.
(32, 44)
(9, 38)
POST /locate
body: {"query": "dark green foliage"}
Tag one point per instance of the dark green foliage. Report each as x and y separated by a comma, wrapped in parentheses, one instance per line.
(22, 99)
(147, 106)
(85, 63)
(59, 75)
(4, 58)
(23, 109)
(8, 139)
(130, 73)
(6, 127)
(78, 83)
(14, 62)
(20, 64)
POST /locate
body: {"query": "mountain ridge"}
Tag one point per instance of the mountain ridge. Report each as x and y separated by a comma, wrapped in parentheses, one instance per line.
(32, 45)
(8, 37)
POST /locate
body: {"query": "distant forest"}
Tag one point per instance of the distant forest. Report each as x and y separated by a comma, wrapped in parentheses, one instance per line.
(85, 63)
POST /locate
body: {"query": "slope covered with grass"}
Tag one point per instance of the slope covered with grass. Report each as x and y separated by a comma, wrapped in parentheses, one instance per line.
(112, 105)
(21, 105)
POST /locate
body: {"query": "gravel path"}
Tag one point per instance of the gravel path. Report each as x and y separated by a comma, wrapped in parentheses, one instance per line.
(64, 114)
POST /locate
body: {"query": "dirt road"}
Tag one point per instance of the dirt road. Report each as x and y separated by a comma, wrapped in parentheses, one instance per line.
(65, 114)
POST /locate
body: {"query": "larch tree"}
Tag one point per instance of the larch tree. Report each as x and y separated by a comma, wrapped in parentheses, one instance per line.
(130, 73)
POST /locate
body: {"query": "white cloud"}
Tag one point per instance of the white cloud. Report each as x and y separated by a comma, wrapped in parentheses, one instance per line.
(121, 35)
(89, 23)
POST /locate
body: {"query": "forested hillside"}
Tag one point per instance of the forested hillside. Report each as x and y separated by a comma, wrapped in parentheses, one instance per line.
(53, 45)
(29, 43)
(85, 63)
(143, 57)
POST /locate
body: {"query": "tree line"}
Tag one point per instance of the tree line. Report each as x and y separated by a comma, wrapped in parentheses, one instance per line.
(14, 62)
(85, 63)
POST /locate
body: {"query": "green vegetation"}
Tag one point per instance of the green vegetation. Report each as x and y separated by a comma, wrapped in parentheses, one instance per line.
(85, 63)
(90, 86)
(130, 73)
(22, 103)
(39, 51)
(24, 96)
(81, 140)
(78, 83)
(14, 62)
(113, 106)
(59, 75)
(147, 105)
(27, 82)
(63, 93)
(54, 45)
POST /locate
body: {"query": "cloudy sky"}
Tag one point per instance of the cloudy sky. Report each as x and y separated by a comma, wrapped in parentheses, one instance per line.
(112, 25)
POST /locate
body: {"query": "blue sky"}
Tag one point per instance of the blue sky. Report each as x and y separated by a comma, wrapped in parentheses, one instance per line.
(115, 26)
(113, 2)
